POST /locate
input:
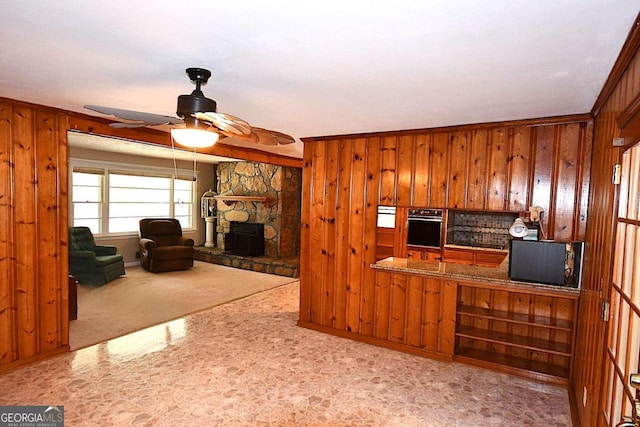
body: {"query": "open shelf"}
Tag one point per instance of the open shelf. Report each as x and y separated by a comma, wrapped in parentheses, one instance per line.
(516, 318)
(488, 357)
(230, 199)
(530, 343)
(516, 331)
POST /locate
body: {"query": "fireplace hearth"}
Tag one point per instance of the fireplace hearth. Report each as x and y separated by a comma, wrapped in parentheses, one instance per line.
(245, 239)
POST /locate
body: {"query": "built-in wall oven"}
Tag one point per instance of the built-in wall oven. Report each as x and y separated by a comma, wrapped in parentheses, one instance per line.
(424, 227)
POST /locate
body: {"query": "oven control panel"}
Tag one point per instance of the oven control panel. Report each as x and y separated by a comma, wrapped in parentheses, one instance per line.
(434, 214)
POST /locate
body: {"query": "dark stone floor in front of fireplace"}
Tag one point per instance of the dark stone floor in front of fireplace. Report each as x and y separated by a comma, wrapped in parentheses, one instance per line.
(289, 266)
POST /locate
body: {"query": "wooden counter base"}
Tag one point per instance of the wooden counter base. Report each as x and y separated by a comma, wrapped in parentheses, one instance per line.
(477, 316)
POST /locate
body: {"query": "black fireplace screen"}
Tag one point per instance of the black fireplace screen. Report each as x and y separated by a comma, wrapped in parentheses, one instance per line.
(245, 239)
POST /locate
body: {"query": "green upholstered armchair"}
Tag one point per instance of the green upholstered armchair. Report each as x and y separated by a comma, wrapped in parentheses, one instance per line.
(90, 263)
(162, 246)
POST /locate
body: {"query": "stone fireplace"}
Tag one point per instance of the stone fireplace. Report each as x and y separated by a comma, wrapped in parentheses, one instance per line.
(280, 214)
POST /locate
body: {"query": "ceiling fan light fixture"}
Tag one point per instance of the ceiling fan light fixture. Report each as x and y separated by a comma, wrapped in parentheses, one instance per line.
(194, 138)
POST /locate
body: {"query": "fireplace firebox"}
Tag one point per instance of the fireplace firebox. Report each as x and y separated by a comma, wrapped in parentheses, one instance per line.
(245, 239)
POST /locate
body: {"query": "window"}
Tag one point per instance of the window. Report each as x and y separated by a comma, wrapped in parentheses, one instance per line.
(113, 199)
(183, 200)
(87, 199)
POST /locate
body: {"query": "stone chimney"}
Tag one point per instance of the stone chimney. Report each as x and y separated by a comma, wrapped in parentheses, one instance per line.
(281, 216)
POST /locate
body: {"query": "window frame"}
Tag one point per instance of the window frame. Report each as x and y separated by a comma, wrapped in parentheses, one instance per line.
(131, 169)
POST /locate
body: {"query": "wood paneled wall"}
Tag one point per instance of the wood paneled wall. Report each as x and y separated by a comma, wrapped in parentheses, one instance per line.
(416, 311)
(619, 92)
(33, 233)
(499, 166)
(33, 221)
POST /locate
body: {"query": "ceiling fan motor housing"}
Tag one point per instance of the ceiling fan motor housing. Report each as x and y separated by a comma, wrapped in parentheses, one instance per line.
(196, 102)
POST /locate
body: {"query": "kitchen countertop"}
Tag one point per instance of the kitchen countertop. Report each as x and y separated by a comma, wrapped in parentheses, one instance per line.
(477, 248)
(498, 275)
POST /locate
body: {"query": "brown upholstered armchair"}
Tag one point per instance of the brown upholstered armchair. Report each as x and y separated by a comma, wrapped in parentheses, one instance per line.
(162, 246)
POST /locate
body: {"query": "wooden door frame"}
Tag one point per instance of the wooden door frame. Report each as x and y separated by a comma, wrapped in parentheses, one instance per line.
(628, 122)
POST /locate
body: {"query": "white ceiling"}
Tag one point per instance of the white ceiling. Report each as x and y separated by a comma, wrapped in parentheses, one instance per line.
(313, 68)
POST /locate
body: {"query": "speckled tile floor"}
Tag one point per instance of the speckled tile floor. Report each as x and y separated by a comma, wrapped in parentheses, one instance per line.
(246, 363)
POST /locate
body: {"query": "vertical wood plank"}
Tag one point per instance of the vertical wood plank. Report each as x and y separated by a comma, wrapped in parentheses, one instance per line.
(330, 215)
(458, 170)
(343, 231)
(431, 300)
(398, 307)
(404, 170)
(439, 159)
(447, 321)
(62, 224)
(542, 189)
(400, 232)
(585, 179)
(413, 330)
(317, 230)
(500, 301)
(520, 166)
(382, 304)
(566, 169)
(388, 172)
(542, 306)
(520, 303)
(481, 298)
(8, 306)
(308, 177)
(421, 170)
(497, 179)
(26, 232)
(477, 182)
(356, 230)
(49, 292)
(367, 311)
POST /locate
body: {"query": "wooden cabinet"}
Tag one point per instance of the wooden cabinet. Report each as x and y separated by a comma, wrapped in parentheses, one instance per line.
(496, 323)
(489, 259)
(485, 258)
(423, 254)
(520, 331)
(384, 242)
(457, 256)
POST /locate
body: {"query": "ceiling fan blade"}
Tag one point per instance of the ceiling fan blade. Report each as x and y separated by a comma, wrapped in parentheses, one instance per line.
(148, 119)
(225, 122)
(272, 137)
(252, 137)
(131, 125)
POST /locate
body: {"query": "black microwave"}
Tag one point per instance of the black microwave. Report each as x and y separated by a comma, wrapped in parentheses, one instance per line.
(548, 262)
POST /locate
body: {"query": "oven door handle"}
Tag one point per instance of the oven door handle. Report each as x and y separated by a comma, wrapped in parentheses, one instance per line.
(423, 219)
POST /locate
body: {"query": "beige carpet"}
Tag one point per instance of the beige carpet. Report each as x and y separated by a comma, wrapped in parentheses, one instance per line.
(141, 299)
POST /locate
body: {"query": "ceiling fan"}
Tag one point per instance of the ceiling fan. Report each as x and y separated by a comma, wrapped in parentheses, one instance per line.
(197, 112)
